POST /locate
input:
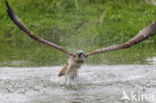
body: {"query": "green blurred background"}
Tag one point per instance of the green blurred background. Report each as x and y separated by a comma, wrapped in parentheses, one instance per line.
(76, 25)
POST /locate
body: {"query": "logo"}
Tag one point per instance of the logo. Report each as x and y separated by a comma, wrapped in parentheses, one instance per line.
(136, 96)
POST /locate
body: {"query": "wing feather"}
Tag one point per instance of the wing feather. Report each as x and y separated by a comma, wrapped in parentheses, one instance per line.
(21, 26)
(141, 36)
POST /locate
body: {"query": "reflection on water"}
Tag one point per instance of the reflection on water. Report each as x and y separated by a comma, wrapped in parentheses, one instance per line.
(97, 84)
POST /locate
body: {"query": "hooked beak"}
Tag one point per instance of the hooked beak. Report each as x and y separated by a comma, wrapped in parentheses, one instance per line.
(80, 54)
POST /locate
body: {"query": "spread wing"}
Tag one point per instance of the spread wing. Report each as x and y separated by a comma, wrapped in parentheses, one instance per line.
(141, 36)
(21, 26)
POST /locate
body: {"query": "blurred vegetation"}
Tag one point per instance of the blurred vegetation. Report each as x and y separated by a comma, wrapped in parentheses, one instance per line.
(76, 25)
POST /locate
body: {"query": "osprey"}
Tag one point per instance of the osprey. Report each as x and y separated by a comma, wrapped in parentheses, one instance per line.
(76, 60)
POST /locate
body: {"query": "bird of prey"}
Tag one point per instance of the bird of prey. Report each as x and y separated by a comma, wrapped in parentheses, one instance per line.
(75, 60)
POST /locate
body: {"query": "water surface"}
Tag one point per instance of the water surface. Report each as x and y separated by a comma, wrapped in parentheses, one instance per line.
(97, 84)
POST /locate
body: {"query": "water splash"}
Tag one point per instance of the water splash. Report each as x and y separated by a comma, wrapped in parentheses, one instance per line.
(102, 83)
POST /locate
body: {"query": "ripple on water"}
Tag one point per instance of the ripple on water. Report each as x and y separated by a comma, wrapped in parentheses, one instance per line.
(102, 84)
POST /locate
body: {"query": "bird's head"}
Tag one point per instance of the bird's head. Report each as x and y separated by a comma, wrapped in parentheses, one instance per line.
(80, 56)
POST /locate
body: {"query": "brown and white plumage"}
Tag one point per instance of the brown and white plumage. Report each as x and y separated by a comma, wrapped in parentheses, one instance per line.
(141, 36)
(76, 60)
(18, 22)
